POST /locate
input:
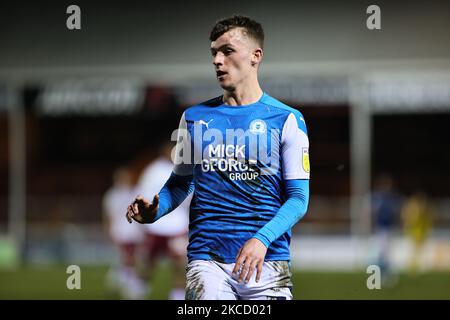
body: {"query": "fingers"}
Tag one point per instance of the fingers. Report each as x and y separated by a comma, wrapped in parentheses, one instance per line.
(259, 270)
(139, 198)
(244, 270)
(141, 210)
(133, 214)
(155, 202)
(130, 213)
(239, 261)
(245, 267)
(251, 271)
(133, 210)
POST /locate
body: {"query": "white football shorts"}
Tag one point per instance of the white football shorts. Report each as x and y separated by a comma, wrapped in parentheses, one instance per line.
(212, 280)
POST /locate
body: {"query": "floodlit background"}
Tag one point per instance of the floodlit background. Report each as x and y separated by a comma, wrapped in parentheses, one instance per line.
(76, 105)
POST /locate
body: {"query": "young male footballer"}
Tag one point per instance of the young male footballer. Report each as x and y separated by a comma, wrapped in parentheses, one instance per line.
(244, 155)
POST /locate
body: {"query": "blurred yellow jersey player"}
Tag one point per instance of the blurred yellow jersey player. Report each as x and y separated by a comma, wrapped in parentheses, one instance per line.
(417, 221)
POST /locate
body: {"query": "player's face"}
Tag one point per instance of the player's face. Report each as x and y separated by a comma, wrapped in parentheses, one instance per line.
(233, 56)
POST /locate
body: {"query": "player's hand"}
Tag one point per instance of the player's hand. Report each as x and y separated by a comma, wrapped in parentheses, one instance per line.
(250, 256)
(142, 211)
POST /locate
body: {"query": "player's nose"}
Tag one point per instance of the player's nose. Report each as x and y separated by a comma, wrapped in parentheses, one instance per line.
(218, 59)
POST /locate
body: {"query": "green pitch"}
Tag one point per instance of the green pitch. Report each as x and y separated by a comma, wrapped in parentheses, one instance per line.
(50, 283)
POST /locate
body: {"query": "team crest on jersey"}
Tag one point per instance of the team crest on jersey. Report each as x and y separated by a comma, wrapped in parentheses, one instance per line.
(305, 158)
(258, 126)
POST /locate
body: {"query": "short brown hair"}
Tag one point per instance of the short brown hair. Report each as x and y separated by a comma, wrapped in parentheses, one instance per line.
(252, 28)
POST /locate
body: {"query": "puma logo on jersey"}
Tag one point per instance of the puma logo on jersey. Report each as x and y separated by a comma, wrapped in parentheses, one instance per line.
(203, 122)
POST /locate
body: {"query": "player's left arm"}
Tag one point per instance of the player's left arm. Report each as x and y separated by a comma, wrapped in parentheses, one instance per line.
(252, 254)
(295, 159)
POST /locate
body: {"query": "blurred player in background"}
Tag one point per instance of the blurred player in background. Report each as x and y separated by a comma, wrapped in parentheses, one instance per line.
(127, 238)
(246, 156)
(417, 216)
(386, 205)
(168, 236)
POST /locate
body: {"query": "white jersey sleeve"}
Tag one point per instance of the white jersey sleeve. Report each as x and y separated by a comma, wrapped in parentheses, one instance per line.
(182, 156)
(295, 149)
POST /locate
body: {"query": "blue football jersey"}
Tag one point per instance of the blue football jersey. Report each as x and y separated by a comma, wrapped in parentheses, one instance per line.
(239, 157)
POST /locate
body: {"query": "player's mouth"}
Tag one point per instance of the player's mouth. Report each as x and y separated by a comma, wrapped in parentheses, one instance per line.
(220, 74)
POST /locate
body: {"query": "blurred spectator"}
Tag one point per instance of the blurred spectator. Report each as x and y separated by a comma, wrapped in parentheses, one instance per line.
(168, 236)
(386, 205)
(417, 215)
(126, 237)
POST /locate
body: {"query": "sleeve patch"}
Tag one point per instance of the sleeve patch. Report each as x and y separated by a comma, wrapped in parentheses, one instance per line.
(305, 157)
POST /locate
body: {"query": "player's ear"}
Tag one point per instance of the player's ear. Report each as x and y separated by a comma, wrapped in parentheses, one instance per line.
(257, 56)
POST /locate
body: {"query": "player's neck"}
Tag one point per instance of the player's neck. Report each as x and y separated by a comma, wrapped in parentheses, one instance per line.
(243, 95)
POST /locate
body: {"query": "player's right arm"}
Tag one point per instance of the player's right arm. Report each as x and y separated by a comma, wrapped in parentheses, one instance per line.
(176, 189)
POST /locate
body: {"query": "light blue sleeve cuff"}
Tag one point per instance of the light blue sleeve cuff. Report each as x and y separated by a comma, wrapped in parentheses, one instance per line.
(174, 192)
(295, 207)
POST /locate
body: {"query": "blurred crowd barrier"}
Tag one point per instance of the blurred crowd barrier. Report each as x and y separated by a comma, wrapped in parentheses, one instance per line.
(322, 241)
(86, 244)
(345, 253)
